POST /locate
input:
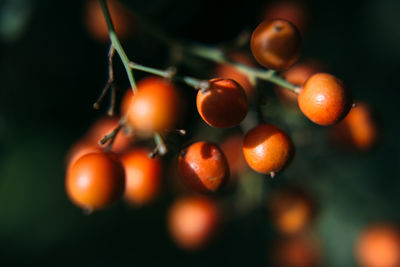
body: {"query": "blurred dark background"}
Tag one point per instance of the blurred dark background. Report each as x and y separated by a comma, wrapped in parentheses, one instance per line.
(52, 70)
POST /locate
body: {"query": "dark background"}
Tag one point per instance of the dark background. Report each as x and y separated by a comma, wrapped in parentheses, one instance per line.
(51, 72)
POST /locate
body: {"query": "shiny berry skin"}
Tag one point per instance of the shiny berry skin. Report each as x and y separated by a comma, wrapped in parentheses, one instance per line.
(378, 246)
(203, 167)
(95, 181)
(230, 72)
(193, 222)
(223, 104)
(276, 44)
(267, 149)
(324, 99)
(80, 149)
(359, 130)
(143, 176)
(155, 107)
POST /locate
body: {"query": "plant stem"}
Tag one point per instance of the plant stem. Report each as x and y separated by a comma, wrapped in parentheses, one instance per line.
(117, 45)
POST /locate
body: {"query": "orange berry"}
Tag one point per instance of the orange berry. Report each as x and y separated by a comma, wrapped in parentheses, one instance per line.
(379, 246)
(292, 11)
(192, 222)
(143, 176)
(229, 72)
(95, 180)
(324, 99)
(297, 251)
(96, 23)
(223, 104)
(267, 149)
(291, 209)
(203, 167)
(155, 107)
(232, 148)
(104, 126)
(359, 130)
(276, 44)
(297, 75)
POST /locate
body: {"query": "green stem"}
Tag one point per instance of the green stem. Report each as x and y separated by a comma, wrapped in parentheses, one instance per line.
(158, 72)
(117, 45)
(216, 55)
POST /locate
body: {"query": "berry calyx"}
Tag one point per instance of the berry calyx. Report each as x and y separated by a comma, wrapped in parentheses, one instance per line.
(324, 99)
(223, 104)
(267, 149)
(203, 167)
(276, 44)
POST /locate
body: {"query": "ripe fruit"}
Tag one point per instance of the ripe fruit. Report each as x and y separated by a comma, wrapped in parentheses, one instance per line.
(297, 251)
(292, 11)
(267, 149)
(276, 44)
(203, 167)
(324, 99)
(230, 72)
(223, 104)
(155, 107)
(95, 180)
(104, 126)
(142, 176)
(192, 222)
(359, 130)
(232, 148)
(379, 246)
(291, 209)
(297, 75)
(96, 24)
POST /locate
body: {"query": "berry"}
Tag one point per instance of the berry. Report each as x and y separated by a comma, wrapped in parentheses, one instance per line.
(291, 209)
(324, 99)
(203, 167)
(229, 72)
(223, 104)
(359, 130)
(232, 148)
(154, 108)
(80, 149)
(95, 180)
(276, 44)
(193, 222)
(379, 246)
(267, 149)
(143, 176)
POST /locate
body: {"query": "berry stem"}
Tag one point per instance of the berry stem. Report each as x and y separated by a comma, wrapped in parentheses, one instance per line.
(117, 45)
(112, 135)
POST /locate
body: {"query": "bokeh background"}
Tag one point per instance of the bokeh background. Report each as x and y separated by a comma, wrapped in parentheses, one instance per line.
(52, 70)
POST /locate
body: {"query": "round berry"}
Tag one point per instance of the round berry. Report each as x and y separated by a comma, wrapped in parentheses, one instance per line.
(267, 149)
(155, 107)
(143, 176)
(324, 99)
(359, 130)
(379, 246)
(95, 181)
(276, 44)
(193, 222)
(223, 104)
(203, 167)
